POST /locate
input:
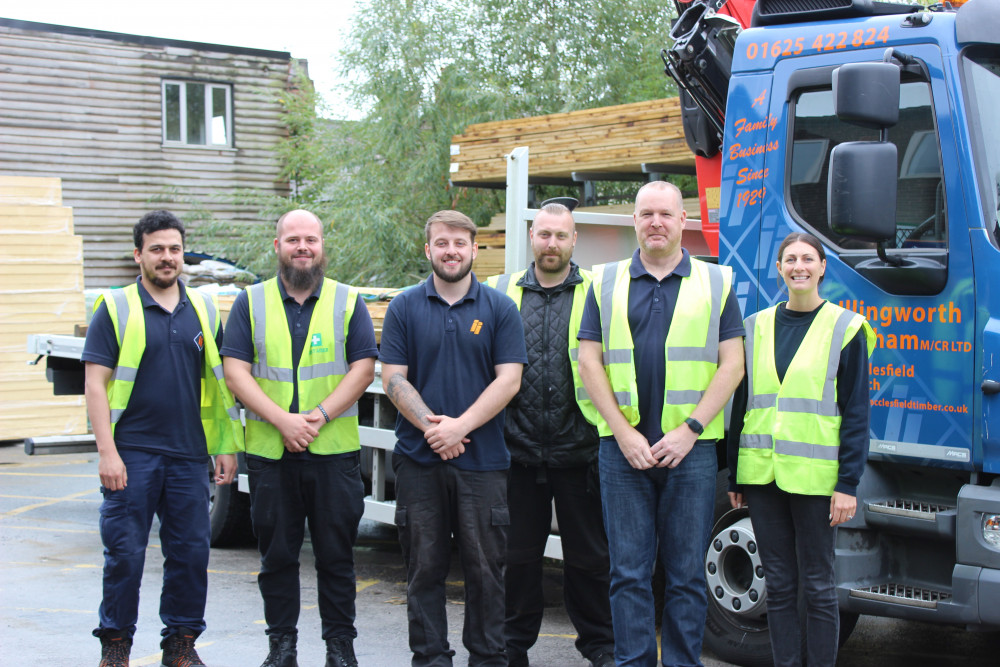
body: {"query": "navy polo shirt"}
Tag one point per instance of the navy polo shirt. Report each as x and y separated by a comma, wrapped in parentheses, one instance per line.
(360, 342)
(651, 305)
(163, 415)
(451, 352)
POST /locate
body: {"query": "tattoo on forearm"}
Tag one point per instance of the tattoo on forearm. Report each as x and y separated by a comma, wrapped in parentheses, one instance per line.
(407, 400)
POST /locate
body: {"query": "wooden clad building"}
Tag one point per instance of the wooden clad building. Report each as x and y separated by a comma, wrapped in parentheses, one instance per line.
(124, 120)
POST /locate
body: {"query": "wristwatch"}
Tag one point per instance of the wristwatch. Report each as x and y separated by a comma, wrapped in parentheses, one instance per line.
(695, 425)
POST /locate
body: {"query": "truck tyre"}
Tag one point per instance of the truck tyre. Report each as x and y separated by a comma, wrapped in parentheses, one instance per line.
(736, 628)
(229, 512)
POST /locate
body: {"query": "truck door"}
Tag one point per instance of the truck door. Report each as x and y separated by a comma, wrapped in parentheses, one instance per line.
(923, 312)
(980, 77)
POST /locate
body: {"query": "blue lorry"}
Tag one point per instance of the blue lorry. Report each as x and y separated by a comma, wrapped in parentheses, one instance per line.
(875, 127)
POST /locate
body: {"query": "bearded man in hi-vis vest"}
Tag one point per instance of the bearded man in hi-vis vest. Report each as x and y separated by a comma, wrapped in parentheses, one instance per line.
(159, 407)
(661, 352)
(299, 352)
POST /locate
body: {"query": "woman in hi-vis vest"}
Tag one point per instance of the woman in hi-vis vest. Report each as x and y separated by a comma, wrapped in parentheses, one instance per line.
(797, 455)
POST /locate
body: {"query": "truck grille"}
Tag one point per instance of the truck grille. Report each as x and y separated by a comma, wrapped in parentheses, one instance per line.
(910, 508)
(900, 594)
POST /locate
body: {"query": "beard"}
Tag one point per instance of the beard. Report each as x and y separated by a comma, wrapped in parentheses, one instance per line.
(161, 283)
(441, 272)
(553, 264)
(303, 279)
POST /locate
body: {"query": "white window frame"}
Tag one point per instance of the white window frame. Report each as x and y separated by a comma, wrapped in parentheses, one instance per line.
(210, 87)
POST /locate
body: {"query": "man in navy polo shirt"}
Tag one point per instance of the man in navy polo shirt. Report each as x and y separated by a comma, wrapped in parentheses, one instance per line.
(660, 354)
(148, 348)
(452, 353)
(299, 352)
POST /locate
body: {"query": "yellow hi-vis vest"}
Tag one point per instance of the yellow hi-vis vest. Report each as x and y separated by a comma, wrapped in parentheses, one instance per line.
(220, 419)
(691, 347)
(791, 434)
(507, 283)
(322, 366)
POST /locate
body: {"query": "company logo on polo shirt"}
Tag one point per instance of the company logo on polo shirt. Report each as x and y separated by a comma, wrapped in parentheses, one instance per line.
(199, 340)
(476, 327)
(316, 344)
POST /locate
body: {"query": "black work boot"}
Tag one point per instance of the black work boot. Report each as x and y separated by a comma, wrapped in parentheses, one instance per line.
(340, 652)
(282, 653)
(115, 649)
(178, 649)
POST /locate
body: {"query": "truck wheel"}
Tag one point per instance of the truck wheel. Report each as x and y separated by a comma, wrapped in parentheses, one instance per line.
(736, 628)
(229, 512)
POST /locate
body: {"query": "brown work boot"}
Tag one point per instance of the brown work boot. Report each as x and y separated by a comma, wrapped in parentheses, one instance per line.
(115, 649)
(178, 649)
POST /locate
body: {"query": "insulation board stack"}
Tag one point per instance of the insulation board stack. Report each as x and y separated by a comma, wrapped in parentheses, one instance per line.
(41, 291)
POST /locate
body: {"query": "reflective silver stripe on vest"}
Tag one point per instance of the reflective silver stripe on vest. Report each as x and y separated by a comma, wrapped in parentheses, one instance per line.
(709, 352)
(217, 372)
(325, 369)
(617, 357)
(611, 356)
(807, 450)
(827, 405)
(260, 369)
(250, 414)
(121, 373)
(624, 398)
(212, 312)
(582, 395)
(574, 354)
(339, 348)
(122, 309)
(124, 373)
(502, 283)
(756, 441)
(683, 396)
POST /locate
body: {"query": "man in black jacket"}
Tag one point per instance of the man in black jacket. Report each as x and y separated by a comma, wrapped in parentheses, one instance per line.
(553, 449)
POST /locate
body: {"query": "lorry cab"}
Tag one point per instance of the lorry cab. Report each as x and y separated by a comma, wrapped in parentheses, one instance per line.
(925, 544)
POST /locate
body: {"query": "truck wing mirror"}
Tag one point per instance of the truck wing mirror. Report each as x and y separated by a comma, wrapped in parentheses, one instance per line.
(867, 94)
(861, 191)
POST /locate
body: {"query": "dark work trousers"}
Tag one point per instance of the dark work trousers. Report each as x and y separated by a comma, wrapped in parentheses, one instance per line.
(176, 491)
(796, 542)
(586, 571)
(432, 504)
(327, 492)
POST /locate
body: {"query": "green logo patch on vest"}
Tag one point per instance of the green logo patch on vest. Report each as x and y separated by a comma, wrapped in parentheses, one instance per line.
(316, 344)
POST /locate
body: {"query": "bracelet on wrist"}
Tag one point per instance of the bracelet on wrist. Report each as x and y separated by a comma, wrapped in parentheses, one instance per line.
(323, 412)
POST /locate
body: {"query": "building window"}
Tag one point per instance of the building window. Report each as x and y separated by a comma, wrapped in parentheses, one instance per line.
(197, 114)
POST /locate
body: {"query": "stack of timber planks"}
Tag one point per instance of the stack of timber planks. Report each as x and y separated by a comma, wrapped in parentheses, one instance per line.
(41, 291)
(608, 139)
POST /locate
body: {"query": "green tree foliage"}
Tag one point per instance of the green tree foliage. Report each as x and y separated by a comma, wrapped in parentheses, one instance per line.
(425, 69)
(421, 71)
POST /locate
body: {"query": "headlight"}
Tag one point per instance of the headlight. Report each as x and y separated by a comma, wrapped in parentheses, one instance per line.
(991, 529)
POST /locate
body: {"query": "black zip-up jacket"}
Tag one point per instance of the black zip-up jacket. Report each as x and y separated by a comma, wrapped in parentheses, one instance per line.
(543, 423)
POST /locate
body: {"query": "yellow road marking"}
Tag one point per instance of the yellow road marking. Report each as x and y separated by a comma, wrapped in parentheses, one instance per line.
(49, 610)
(51, 501)
(78, 500)
(46, 474)
(362, 584)
(50, 530)
(44, 464)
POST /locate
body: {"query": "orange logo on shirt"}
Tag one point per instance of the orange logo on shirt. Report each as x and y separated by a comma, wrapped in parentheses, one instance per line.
(476, 327)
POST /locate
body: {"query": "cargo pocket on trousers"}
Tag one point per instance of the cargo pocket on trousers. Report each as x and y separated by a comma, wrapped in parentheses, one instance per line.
(500, 516)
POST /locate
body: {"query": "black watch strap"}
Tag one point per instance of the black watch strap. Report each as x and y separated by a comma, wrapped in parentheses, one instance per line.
(695, 425)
